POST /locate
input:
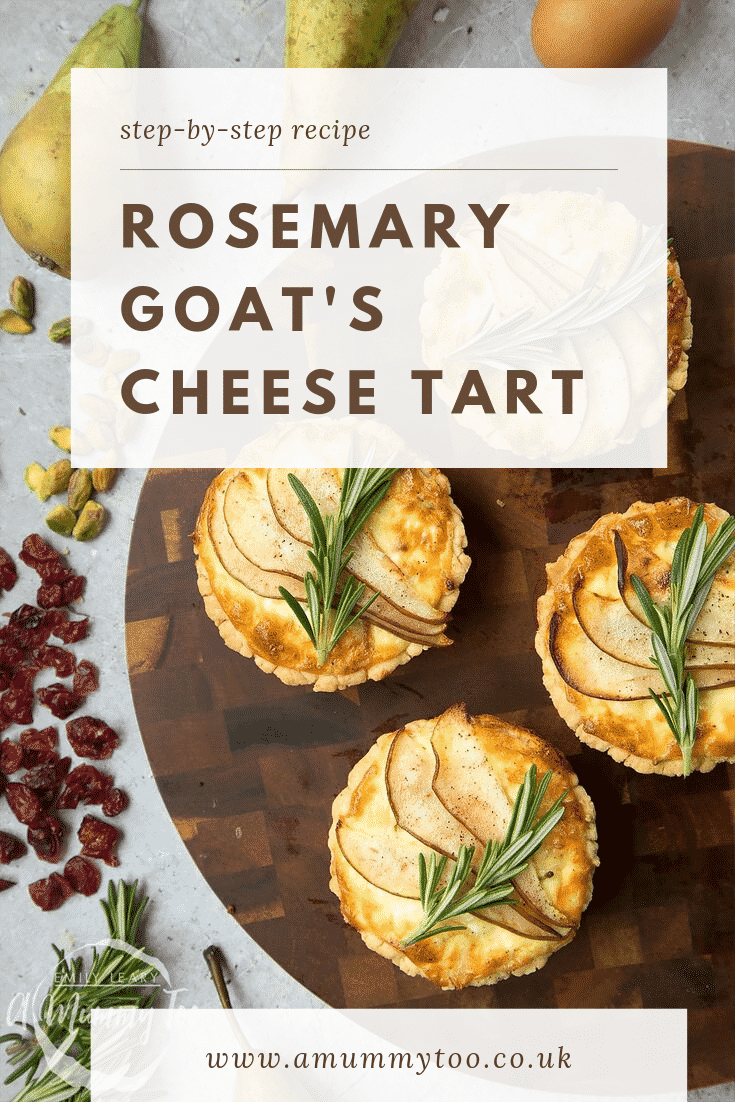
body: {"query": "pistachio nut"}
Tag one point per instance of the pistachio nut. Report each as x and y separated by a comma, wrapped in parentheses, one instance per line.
(90, 521)
(98, 408)
(60, 435)
(90, 351)
(121, 361)
(99, 434)
(33, 478)
(61, 519)
(79, 489)
(81, 326)
(56, 478)
(103, 478)
(22, 297)
(11, 322)
(60, 331)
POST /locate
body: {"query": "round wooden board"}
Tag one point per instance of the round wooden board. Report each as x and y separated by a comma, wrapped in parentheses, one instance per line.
(248, 767)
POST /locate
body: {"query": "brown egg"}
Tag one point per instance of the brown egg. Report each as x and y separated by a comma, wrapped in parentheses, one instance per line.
(597, 34)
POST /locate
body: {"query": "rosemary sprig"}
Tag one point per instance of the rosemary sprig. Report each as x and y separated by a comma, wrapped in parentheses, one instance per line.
(693, 569)
(501, 862)
(362, 491)
(115, 978)
(522, 335)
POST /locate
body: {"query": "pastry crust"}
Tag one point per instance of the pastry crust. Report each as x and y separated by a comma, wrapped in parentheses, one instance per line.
(678, 328)
(586, 682)
(417, 531)
(481, 952)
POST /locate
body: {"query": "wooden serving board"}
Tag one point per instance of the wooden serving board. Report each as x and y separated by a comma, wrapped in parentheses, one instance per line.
(248, 767)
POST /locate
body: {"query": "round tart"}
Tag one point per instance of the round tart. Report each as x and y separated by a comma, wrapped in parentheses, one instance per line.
(596, 645)
(429, 788)
(253, 536)
(678, 328)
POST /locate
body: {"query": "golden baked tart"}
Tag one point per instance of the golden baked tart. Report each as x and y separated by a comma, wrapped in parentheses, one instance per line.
(435, 786)
(253, 537)
(678, 327)
(595, 642)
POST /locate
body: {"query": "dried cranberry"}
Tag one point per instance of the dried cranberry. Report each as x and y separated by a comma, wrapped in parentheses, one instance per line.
(43, 781)
(46, 837)
(61, 661)
(60, 700)
(10, 657)
(50, 893)
(63, 884)
(3, 782)
(17, 701)
(114, 802)
(83, 876)
(86, 678)
(50, 595)
(11, 756)
(10, 848)
(73, 588)
(63, 765)
(71, 631)
(27, 627)
(42, 558)
(5, 884)
(99, 840)
(84, 784)
(91, 738)
(39, 745)
(8, 573)
(24, 803)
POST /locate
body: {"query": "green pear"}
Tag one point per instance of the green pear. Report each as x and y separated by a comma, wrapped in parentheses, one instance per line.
(35, 162)
(343, 34)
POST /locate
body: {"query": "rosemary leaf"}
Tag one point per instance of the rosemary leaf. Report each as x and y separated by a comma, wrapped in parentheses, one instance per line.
(329, 611)
(67, 1029)
(501, 862)
(693, 567)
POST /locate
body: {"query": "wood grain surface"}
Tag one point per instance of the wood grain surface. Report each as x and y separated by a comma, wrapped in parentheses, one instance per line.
(248, 767)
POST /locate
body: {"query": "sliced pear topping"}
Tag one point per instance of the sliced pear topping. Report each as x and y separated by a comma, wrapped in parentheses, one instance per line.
(467, 786)
(409, 774)
(716, 622)
(594, 673)
(263, 582)
(612, 627)
(368, 563)
(390, 863)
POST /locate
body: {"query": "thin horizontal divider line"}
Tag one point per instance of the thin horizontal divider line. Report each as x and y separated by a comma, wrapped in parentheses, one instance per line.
(571, 168)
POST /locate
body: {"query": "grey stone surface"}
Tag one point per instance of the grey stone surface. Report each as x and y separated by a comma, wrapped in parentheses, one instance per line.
(185, 916)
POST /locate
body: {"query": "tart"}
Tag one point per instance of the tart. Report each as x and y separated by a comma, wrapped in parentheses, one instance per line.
(562, 280)
(431, 787)
(252, 537)
(678, 328)
(595, 643)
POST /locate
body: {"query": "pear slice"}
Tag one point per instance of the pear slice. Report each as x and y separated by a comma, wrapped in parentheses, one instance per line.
(391, 864)
(255, 531)
(469, 789)
(369, 564)
(409, 775)
(612, 627)
(594, 673)
(716, 622)
(266, 583)
(263, 582)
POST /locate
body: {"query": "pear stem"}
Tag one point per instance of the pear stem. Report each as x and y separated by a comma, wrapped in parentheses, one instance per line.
(135, 5)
